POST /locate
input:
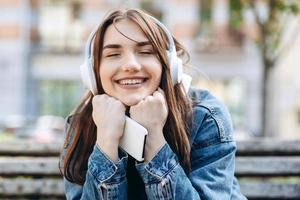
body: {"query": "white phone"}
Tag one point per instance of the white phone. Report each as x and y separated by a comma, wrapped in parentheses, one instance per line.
(134, 139)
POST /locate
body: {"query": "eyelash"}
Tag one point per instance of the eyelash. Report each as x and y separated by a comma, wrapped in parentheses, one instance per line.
(146, 52)
(113, 55)
(141, 52)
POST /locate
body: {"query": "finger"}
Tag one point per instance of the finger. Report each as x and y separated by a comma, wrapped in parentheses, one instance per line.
(96, 98)
(100, 96)
(149, 98)
(161, 96)
(161, 91)
(158, 94)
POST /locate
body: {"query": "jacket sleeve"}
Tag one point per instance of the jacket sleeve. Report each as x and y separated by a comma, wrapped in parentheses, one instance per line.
(212, 165)
(104, 179)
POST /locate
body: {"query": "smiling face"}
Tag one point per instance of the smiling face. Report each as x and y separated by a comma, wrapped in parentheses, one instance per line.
(129, 70)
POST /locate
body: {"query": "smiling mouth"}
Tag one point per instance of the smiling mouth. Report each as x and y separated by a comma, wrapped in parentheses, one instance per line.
(134, 81)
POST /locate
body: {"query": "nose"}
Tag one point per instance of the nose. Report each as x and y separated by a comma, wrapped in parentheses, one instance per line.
(131, 63)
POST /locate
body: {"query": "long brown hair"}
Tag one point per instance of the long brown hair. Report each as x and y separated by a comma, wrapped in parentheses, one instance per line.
(81, 135)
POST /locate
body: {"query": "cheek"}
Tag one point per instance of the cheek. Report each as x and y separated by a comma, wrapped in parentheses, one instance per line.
(158, 74)
(104, 77)
(157, 79)
(155, 68)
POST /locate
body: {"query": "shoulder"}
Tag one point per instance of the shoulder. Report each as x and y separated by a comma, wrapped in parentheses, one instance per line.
(211, 120)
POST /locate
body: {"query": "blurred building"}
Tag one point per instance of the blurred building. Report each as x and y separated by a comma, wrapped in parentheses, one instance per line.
(14, 45)
(41, 45)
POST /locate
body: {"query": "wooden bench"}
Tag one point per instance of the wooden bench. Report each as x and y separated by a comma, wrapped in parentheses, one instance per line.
(266, 169)
(30, 170)
(269, 169)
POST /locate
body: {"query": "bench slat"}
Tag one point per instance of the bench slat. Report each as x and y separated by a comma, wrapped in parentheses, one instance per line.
(245, 166)
(29, 148)
(252, 147)
(270, 191)
(280, 166)
(29, 166)
(268, 147)
(22, 186)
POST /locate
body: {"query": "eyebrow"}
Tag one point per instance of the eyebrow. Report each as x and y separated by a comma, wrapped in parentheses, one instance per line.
(112, 46)
(117, 46)
(140, 44)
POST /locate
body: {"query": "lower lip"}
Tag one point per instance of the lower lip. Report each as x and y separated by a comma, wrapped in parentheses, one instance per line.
(133, 86)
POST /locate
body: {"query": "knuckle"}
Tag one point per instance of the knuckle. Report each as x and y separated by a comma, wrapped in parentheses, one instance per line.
(95, 99)
(150, 98)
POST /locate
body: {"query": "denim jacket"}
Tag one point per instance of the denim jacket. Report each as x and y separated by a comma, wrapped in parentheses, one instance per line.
(212, 164)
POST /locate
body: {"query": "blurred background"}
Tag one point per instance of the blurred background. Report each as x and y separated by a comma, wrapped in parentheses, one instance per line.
(246, 52)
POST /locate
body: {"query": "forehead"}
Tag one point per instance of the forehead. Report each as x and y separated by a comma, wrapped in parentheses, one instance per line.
(127, 28)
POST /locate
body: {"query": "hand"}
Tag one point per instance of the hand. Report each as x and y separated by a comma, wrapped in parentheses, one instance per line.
(152, 113)
(109, 117)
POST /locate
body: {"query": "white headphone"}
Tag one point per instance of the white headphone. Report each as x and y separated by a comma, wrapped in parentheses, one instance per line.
(177, 75)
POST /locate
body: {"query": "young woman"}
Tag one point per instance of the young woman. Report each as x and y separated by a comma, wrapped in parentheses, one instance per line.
(189, 152)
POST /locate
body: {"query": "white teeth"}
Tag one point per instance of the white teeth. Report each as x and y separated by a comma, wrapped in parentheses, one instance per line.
(130, 81)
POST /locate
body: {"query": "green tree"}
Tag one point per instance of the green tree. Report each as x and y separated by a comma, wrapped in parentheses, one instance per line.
(272, 19)
(270, 43)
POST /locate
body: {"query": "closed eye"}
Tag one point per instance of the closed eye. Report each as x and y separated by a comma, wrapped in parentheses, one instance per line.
(146, 52)
(113, 55)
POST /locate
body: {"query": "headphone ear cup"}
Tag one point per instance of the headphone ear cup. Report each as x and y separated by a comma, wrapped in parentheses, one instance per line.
(87, 76)
(179, 69)
(84, 76)
(175, 67)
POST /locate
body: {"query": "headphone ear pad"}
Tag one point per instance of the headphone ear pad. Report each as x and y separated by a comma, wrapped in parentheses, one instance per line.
(175, 67)
(87, 76)
(84, 75)
(179, 69)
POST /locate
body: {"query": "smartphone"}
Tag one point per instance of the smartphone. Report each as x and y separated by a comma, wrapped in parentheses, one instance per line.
(134, 139)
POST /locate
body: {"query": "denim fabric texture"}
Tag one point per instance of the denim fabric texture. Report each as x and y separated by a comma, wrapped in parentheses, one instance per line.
(212, 164)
